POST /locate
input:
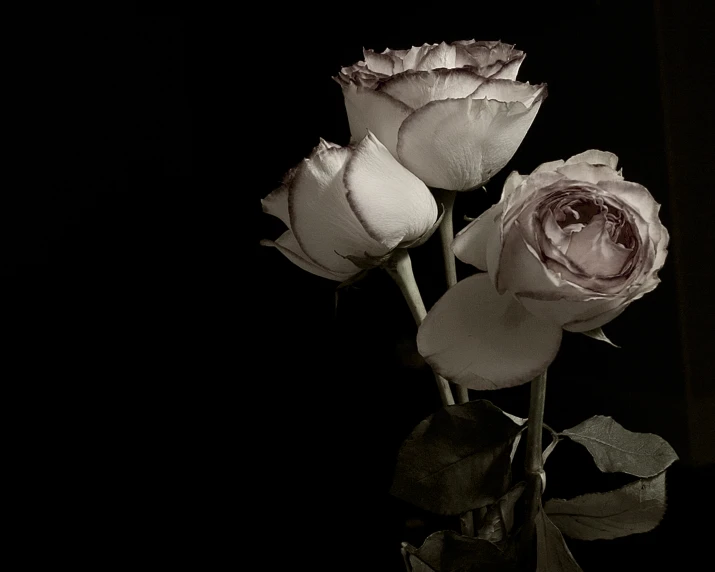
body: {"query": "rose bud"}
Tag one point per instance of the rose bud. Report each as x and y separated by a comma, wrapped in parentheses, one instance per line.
(451, 113)
(347, 208)
(568, 247)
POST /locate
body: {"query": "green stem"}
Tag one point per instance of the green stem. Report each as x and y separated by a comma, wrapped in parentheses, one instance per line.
(446, 234)
(534, 463)
(400, 269)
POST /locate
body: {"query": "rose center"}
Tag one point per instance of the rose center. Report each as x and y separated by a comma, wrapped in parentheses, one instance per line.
(576, 214)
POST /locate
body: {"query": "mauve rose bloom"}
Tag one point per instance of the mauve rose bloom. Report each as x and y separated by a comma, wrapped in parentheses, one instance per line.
(568, 247)
(344, 202)
(453, 114)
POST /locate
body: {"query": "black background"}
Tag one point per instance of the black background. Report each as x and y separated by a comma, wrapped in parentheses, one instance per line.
(181, 384)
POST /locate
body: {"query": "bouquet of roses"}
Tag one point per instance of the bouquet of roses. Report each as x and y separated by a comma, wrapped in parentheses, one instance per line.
(567, 247)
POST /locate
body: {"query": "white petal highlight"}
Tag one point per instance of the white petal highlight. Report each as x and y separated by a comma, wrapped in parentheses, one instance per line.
(481, 340)
(391, 203)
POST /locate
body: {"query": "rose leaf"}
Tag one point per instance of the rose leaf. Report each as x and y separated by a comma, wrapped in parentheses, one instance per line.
(552, 554)
(457, 459)
(635, 508)
(615, 449)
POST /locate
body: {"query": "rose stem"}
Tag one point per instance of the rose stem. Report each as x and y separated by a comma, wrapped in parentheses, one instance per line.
(534, 463)
(400, 268)
(446, 233)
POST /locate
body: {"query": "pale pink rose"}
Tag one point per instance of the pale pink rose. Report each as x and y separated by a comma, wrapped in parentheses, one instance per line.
(345, 204)
(451, 113)
(568, 247)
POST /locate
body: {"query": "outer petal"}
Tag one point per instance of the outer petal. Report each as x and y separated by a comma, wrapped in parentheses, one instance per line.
(459, 144)
(595, 157)
(321, 218)
(589, 173)
(481, 340)
(470, 244)
(276, 204)
(508, 90)
(391, 203)
(374, 111)
(570, 313)
(289, 246)
(417, 88)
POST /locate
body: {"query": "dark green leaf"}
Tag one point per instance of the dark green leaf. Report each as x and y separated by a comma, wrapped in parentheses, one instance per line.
(457, 459)
(499, 519)
(552, 554)
(615, 449)
(446, 551)
(638, 507)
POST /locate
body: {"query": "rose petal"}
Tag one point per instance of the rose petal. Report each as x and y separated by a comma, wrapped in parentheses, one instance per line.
(379, 63)
(520, 270)
(595, 252)
(276, 204)
(509, 70)
(391, 203)
(288, 245)
(441, 55)
(563, 311)
(548, 166)
(508, 90)
(595, 157)
(589, 173)
(321, 218)
(459, 144)
(481, 340)
(636, 196)
(470, 244)
(374, 111)
(512, 183)
(417, 88)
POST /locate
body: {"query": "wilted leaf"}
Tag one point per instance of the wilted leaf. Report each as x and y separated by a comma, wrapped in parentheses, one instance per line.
(446, 551)
(615, 449)
(638, 507)
(597, 334)
(457, 459)
(552, 554)
(499, 519)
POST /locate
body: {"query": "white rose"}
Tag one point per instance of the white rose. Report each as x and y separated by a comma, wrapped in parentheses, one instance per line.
(568, 247)
(349, 203)
(453, 114)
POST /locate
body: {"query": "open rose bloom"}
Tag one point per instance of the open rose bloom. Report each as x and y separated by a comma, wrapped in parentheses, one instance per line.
(568, 247)
(346, 204)
(453, 114)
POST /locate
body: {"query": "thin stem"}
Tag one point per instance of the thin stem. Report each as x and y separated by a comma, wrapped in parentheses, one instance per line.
(446, 234)
(534, 463)
(400, 269)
